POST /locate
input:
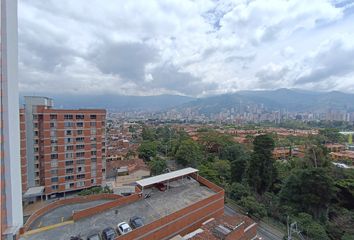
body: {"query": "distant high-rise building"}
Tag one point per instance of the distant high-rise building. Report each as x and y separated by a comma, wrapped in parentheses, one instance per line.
(10, 169)
(62, 150)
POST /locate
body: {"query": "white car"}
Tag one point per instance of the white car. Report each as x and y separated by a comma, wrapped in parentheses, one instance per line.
(124, 228)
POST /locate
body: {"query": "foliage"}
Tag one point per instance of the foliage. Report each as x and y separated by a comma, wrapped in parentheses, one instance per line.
(238, 157)
(261, 172)
(95, 190)
(147, 150)
(253, 207)
(237, 191)
(310, 227)
(157, 166)
(189, 153)
(309, 190)
(148, 134)
(332, 135)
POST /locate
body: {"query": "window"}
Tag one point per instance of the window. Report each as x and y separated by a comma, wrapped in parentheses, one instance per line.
(93, 160)
(53, 141)
(93, 173)
(36, 149)
(103, 150)
(69, 185)
(68, 178)
(69, 170)
(36, 133)
(92, 124)
(53, 116)
(54, 163)
(79, 132)
(35, 117)
(80, 154)
(92, 116)
(69, 155)
(79, 147)
(54, 148)
(69, 147)
(93, 139)
(93, 180)
(93, 153)
(79, 124)
(80, 116)
(68, 140)
(80, 161)
(94, 145)
(68, 132)
(54, 179)
(80, 176)
(68, 124)
(53, 133)
(54, 156)
(53, 125)
(36, 141)
(80, 139)
(93, 131)
(55, 187)
(80, 184)
(35, 125)
(80, 169)
(69, 163)
(68, 116)
(54, 171)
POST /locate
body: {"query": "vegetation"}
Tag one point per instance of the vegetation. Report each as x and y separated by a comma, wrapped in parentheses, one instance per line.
(95, 190)
(308, 190)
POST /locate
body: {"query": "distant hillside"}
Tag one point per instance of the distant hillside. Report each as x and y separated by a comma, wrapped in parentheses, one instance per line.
(292, 100)
(118, 102)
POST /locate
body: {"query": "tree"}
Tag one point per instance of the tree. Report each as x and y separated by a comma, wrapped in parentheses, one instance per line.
(238, 157)
(157, 166)
(261, 172)
(147, 150)
(253, 207)
(148, 134)
(309, 190)
(310, 227)
(189, 153)
(238, 190)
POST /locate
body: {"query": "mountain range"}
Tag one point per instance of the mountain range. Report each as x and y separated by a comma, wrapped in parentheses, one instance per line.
(289, 99)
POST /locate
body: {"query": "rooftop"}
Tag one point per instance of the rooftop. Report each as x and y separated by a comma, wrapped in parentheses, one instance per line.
(182, 193)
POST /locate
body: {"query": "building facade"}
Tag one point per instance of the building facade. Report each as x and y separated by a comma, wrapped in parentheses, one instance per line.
(62, 150)
(10, 171)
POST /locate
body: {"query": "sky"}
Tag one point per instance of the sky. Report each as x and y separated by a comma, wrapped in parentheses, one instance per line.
(193, 48)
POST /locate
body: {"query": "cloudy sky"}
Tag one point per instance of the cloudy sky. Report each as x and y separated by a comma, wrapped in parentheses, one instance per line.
(194, 48)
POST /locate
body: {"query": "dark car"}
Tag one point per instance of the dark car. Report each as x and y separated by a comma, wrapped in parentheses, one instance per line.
(160, 186)
(136, 222)
(94, 236)
(109, 234)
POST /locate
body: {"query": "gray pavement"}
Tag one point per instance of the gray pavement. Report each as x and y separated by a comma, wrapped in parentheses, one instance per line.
(158, 205)
(63, 213)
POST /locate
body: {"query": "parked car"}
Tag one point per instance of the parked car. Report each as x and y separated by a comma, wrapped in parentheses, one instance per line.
(136, 222)
(160, 186)
(94, 236)
(124, 228)
(78, 237)
(109, 234)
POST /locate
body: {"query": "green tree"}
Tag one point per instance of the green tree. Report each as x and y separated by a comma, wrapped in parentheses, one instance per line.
(253, 207)
(261, 172)
(310, 227)
(189, 153)
(147, 150)
(148, 134)
(157, 166)
(238, 190)
(238, 157)
(309, 190)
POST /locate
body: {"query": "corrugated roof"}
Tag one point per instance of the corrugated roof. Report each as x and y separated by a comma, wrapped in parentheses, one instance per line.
(166, 176)
(34, 192)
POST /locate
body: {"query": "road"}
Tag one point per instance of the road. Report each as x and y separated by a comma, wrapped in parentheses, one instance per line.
(264, 231)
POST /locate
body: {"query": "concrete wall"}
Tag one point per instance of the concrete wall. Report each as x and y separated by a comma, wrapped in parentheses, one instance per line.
(66, 201)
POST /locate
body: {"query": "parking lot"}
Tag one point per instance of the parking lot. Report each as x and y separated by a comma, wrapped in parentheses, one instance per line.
(180, 195)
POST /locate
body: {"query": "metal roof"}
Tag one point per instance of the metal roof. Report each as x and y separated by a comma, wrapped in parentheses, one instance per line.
(166, 176)
(34, 192)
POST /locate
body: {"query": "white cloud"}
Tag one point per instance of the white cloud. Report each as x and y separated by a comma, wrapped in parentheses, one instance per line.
(180, 47)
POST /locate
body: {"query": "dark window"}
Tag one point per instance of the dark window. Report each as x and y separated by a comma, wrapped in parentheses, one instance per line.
(68, 163)
(54, 156)
(53, 116)
(69, 170)
(68, 178)
(80, 154)
(68, 116)
(80, 176)
(79, 124)
(80, 161)
(80, 116)
(92, 116)
(54, 179)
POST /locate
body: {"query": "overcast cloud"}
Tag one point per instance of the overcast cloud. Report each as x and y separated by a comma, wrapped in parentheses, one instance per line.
(193, 48)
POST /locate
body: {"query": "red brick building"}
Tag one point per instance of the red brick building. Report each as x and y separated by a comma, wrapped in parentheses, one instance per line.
(62, 150)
